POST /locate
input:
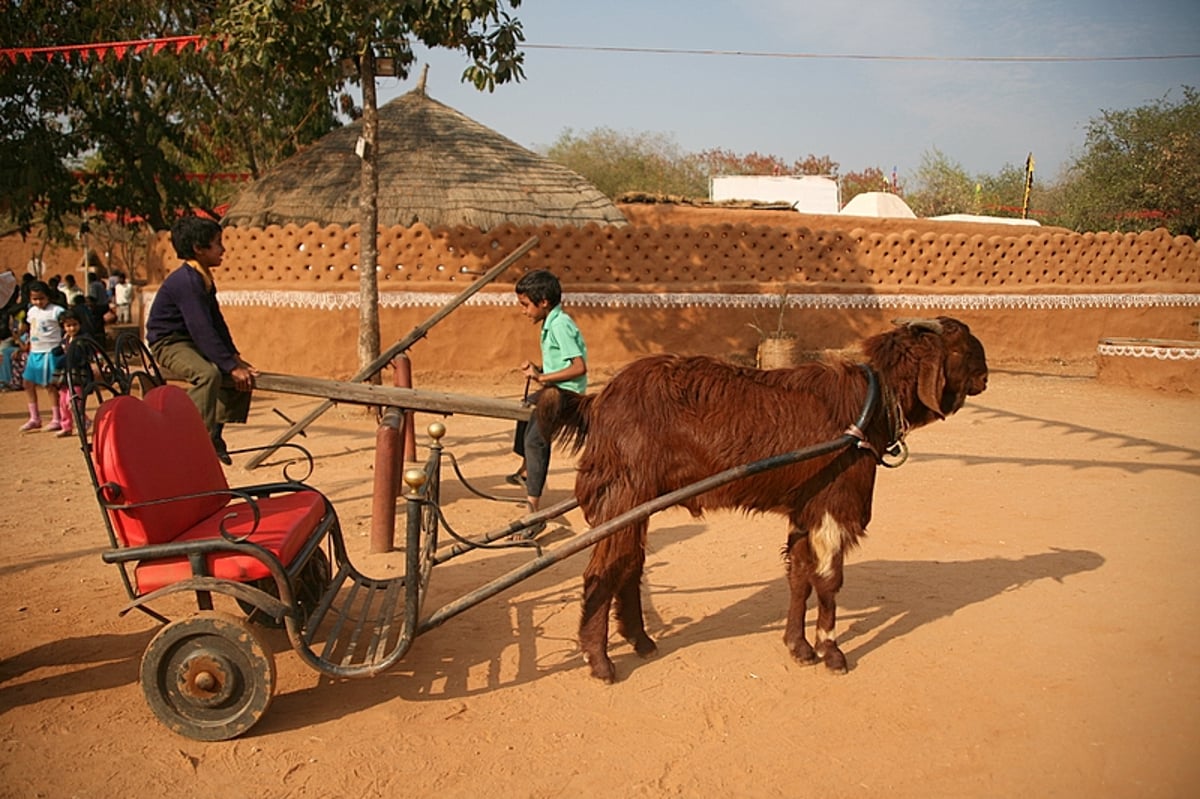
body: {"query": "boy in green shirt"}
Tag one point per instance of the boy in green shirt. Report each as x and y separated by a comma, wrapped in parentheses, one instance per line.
(564, 365)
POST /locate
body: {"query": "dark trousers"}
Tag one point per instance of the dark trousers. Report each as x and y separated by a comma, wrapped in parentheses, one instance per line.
(213, 391)
(530, 444)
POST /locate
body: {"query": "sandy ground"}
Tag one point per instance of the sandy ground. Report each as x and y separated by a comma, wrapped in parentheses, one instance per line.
(1022, 620)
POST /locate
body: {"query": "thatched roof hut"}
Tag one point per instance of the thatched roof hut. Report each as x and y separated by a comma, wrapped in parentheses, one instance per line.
(435, 165)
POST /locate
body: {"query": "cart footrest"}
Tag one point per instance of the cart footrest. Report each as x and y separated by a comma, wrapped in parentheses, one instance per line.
(362, 622)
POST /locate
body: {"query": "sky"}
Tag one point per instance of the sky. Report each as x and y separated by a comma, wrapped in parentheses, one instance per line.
(861, 113)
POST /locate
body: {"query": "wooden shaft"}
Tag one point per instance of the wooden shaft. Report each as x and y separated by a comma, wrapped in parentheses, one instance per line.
(417, 333)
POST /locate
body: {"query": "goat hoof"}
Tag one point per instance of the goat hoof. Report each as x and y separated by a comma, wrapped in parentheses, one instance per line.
(645, 647)
(835, 661)
(602, 668)
(803, 654)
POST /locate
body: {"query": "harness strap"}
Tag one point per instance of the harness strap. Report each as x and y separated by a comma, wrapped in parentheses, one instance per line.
(897, 450)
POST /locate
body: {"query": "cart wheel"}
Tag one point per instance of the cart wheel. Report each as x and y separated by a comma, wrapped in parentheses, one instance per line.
(257, 615)
(208, 677)
(314, 579)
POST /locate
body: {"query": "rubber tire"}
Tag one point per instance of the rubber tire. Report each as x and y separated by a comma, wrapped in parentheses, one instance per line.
(208, 677)
(252, 611)
(314, 579)
(311, 583)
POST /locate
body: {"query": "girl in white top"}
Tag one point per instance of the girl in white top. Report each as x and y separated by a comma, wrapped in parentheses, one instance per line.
(45, 353)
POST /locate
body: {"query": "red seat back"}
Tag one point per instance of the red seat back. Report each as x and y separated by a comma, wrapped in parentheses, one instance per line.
(155, 448)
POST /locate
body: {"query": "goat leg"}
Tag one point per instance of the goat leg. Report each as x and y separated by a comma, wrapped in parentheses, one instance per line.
(631, 623)
(799, 571)
(827, 586)
(593, 627)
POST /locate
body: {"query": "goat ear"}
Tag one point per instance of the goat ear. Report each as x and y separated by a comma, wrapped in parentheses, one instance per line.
(931, 379)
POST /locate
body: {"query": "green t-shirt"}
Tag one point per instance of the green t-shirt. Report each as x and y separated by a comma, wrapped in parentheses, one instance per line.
(562, 342)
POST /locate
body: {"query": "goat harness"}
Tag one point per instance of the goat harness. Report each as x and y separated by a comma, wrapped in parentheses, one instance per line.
(896, 452)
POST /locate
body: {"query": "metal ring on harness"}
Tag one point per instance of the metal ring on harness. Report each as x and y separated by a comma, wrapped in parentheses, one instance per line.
(897, 452)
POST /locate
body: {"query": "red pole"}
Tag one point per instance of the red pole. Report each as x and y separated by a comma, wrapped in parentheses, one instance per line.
(403, 379)
(383, 495)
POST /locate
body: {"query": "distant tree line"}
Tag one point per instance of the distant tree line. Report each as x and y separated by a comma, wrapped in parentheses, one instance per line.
(1139, 170)
(140, 137)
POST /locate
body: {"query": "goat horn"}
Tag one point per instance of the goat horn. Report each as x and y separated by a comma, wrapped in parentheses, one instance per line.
(925, 324)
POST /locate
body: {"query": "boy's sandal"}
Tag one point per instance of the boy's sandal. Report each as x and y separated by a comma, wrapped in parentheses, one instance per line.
(515, 479)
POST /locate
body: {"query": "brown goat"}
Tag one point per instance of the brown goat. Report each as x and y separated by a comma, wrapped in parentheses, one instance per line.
(666, 421)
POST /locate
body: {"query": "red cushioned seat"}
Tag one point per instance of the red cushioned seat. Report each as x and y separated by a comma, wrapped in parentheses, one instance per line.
(285, 524)
(157, 448)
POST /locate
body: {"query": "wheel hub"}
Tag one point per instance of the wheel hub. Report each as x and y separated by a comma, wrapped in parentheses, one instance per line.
(207, 678)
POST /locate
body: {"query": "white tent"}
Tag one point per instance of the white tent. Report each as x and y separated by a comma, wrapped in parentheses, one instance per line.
(878, 204)
(810, 194)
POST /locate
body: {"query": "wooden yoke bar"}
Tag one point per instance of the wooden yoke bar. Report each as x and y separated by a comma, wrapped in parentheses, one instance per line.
(409, 399)
(419, 332)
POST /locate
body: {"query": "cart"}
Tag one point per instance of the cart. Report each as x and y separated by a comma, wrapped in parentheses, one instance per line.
(276, 549)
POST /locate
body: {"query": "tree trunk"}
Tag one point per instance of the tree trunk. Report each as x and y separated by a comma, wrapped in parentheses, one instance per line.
(368, 244)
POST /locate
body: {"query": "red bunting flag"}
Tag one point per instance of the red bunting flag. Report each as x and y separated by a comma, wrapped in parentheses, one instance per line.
(100, 49)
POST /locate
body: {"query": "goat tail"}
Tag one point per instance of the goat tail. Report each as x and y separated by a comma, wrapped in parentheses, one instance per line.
(563, 416)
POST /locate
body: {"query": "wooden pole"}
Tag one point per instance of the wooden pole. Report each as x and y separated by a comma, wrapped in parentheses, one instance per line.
(1028, 186)
(368, 213)
(419, 332)
(409, 399)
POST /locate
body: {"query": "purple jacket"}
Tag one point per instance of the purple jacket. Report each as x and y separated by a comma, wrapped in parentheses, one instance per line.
(184, 306)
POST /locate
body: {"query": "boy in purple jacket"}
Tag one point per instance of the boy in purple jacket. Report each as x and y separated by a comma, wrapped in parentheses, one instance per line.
(189, 337)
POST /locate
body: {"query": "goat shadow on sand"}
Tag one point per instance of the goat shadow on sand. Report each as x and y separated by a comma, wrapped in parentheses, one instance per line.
(881, 600)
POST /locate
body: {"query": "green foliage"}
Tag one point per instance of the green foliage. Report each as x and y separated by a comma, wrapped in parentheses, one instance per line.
(127, 136)
(870, 179)
(724, 162)
(942, 186)
(317, 38)
(1140, 169)
(1002, 194)
(134, 136)
(36, 154)
(616, 163)
(653, 163)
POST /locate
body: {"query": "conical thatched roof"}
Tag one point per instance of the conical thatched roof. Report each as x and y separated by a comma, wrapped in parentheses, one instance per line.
(435, 165)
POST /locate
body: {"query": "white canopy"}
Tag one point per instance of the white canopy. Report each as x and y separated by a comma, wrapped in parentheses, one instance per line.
(878, 204)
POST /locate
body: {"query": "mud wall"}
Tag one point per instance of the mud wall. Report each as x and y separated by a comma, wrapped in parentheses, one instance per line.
(703, 282)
